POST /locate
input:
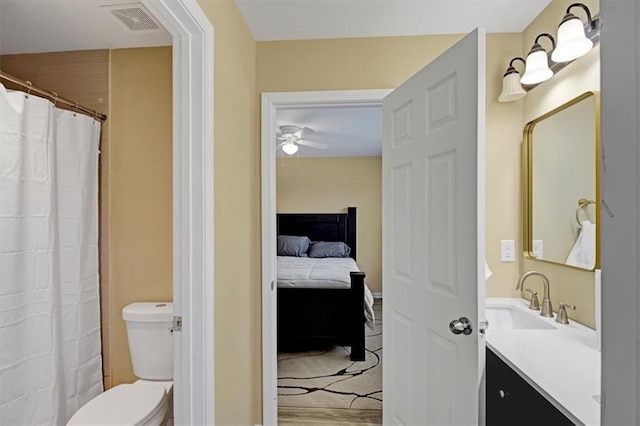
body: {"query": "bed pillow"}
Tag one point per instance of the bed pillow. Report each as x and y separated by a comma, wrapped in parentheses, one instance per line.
(329, 249)
(289, 245)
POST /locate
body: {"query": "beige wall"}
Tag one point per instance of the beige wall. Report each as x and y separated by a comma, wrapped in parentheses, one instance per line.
(81, 76)
(140, 189)
(238, 345)
(567, 285)
(378, 63)
(329, 185)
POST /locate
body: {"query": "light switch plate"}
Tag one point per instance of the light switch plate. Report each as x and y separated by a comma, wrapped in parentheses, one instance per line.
(537, 249)
(508, 251)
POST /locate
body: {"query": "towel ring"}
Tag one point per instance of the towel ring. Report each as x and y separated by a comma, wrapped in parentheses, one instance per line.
(582, 202)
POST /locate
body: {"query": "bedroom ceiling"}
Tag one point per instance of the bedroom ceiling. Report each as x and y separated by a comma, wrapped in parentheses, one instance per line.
(349, 131)
(34, 26)
(316, 19)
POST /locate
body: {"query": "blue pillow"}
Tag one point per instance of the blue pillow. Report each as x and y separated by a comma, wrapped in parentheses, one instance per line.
(289, 245)
(329, 249)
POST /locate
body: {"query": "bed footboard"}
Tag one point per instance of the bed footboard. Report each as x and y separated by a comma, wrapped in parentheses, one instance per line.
(311, 318)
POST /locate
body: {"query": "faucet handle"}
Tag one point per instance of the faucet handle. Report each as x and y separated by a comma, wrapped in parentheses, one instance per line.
(534, 304)
(562, 317)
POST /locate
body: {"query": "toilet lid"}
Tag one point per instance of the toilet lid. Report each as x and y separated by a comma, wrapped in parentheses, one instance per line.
(121, 405)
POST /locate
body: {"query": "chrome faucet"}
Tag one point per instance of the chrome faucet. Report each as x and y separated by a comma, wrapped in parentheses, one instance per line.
(547, 310)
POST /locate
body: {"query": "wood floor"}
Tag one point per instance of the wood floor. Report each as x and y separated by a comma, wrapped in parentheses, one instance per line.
(289, 416)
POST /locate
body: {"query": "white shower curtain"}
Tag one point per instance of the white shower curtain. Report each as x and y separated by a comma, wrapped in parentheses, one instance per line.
(50, 362)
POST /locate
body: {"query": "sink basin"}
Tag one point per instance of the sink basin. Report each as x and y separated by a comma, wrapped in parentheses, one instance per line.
(507, 317)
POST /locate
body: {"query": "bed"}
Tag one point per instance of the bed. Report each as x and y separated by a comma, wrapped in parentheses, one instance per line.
(322, 302)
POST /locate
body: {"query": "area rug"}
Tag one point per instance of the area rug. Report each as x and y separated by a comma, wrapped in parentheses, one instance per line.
(329, 379)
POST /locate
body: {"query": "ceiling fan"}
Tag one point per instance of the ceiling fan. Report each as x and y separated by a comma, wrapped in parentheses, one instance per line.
(292, 136)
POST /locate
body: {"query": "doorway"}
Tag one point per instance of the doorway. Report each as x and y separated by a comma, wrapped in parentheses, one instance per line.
(271, 103)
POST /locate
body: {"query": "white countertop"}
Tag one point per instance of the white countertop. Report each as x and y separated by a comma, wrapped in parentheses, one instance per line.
(562, 364)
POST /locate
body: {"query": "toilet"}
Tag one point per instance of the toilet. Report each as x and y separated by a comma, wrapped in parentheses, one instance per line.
(148, 401)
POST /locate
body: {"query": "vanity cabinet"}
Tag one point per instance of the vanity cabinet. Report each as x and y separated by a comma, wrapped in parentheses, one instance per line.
(510, 400)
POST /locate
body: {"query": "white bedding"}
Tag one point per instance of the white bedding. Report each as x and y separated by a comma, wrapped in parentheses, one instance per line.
(329, 272)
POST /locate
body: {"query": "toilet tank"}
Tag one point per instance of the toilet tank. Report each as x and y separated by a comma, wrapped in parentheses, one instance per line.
(150, 339)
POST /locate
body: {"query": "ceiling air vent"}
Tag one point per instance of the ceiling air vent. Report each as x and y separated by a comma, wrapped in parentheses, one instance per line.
(135, 18)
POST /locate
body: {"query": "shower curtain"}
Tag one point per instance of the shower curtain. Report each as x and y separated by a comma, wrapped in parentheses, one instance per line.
(50, 361)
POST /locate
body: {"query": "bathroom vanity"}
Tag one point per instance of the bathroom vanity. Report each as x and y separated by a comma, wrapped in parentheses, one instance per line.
(539, 372)
(513, 401)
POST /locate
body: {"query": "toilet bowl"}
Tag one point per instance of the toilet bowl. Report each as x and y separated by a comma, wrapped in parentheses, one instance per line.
(149, 400)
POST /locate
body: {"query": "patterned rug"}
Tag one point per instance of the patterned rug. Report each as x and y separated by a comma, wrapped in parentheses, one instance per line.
(329, 379)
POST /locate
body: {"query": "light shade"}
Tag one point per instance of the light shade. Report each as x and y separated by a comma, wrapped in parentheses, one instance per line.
(290, 148)
(511, 88)
(572, 40)
(537, 69)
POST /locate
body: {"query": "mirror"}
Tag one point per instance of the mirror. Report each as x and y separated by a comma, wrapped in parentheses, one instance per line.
(562, 191)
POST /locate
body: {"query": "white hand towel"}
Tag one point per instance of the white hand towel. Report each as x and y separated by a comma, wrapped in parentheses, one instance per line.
(583, 253)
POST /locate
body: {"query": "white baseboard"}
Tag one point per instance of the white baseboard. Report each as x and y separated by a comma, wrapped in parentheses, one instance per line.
(377, 295)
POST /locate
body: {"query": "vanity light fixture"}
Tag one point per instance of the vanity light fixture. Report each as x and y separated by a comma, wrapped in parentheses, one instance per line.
(290, 148)
(575, 39)
(512, 89)
(537, 66)
(572, 39)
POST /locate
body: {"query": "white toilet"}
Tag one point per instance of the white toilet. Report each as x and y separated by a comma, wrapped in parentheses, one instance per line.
(148, 401)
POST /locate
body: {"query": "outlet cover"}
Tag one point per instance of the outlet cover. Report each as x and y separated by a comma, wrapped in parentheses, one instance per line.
(508, 251)
(537, 249)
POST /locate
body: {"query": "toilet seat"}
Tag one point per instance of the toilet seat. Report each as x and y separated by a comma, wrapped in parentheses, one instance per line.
(128, 404)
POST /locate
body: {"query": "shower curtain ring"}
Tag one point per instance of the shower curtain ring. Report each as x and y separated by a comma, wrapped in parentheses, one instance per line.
(55, 99)
(30, 84)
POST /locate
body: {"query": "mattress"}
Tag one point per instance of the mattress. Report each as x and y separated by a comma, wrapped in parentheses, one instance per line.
(328, 272)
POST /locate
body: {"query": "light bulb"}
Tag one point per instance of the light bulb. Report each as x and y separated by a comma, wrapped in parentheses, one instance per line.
(511, 88)
(537, 69)
(290, 148)
(572, 41)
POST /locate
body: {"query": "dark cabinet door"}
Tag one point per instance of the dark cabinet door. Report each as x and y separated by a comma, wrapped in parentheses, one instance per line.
(512, 401)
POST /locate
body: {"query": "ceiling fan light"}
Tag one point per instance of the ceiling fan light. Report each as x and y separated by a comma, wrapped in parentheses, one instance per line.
(511, 88)
(537, 69)
(572, 40)
(290, 148)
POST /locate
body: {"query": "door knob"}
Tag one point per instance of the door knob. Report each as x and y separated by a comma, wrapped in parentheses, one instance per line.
(461, 326)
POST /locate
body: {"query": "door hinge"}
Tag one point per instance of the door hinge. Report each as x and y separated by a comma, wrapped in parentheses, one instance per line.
(177, 324)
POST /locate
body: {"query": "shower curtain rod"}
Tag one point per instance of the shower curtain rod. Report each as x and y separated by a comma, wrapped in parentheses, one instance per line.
(52, 96)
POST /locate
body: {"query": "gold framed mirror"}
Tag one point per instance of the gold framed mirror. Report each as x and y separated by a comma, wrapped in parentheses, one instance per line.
(561, 165)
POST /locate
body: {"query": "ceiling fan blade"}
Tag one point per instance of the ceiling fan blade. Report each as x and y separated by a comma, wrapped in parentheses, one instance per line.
(310, 144)
(280, 138)
(303, 133)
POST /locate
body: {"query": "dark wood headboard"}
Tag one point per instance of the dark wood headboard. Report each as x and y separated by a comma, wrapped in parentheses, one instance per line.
(321, 226)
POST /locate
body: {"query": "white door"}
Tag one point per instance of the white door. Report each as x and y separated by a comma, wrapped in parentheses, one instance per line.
(433, 239)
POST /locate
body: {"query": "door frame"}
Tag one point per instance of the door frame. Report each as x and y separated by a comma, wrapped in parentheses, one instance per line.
(271, 102)
(620, 96)
(193, 261)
